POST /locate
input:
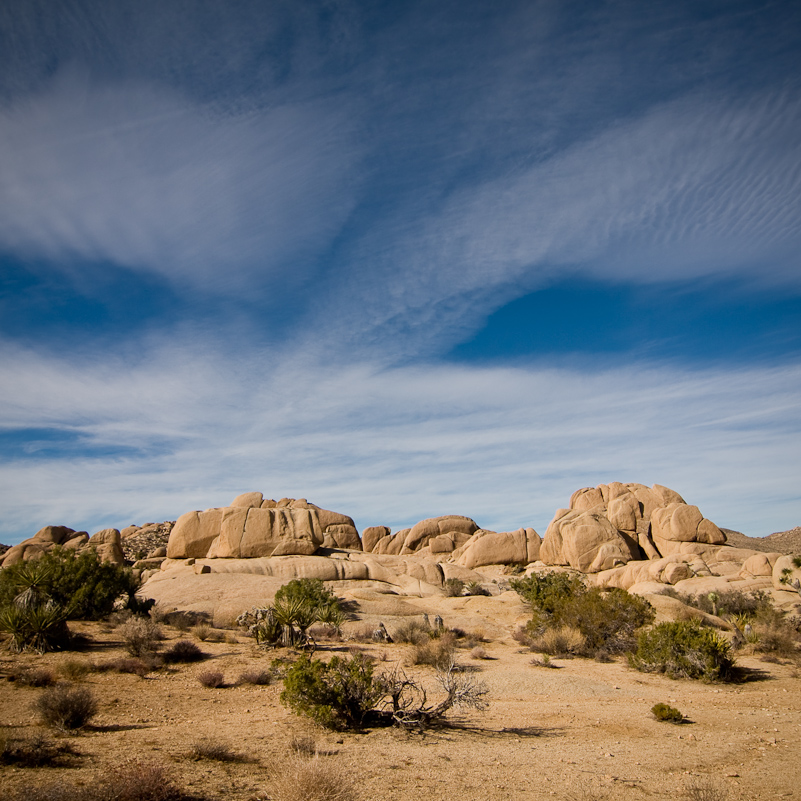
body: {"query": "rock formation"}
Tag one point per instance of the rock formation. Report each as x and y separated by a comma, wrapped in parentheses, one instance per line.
(106, 542)
(254, 527)
(615, 523)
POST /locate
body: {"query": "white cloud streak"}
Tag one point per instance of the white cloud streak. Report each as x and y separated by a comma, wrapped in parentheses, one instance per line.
(138, 176)
(505, 446)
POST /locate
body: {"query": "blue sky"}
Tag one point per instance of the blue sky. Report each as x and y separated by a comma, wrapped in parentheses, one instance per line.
(403, 259)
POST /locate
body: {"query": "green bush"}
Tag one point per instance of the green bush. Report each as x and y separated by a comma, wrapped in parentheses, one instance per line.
(606, 619)
(298, 605)
(684, 649)
(667, 714)
(337, 695)
(81, 584)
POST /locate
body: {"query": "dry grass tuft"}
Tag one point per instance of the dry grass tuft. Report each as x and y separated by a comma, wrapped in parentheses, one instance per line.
(212, 679)
(301, 778)
(562, 641)
(705, 789)
(214, 750)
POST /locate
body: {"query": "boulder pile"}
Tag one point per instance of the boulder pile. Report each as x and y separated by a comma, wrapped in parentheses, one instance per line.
(107, 543)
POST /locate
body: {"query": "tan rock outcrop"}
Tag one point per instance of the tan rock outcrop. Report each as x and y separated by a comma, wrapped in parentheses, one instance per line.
(499, 548)
(254, 527)
(105, 542)
(614, 523)
(371, 536)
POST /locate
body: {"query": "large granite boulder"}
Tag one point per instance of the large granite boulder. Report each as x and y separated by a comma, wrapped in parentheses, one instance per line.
(614, 523)
(254, 527)
(449, 532)
(498, 548)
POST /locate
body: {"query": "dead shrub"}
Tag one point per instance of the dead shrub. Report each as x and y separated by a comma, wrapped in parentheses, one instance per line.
(75, 669)
(437, 653)
(34, 677)
(303, 778)
(211, 679)
(141, 636)
(202, 631)
(412, 632)
(66, 708)
(259, 678)
(478, 653)
(34, 751)
(705, 789)
(215, 751)
(303, 745)
(561, 641)
(132, 665)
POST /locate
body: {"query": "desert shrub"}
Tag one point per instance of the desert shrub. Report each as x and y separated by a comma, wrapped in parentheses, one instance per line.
(34, 677)
(344, 694)
(559, 641)
(438, 653)
(202, 631)
(606, 620)
(478, 653)
(75, 669)
(34, 751)
(544, 661)
(301, 778)
(215, 751)
(776, 637)
(211, 679)
(453, 587)
(547, 592)
(136, 666)
(412, 632)
(256, 677)
(298, 605)
(475, 588)
(363, 633)
(521, 635)
(82, 584)
(303, 745)
(337, 695)
(39, 626)
(65, 707)
(183, 651)
(141, 636)
(705, 789)
(730, 603)
(683, 649)
(667, 714)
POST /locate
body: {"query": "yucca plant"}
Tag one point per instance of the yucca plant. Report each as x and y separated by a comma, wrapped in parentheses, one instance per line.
(41, 627)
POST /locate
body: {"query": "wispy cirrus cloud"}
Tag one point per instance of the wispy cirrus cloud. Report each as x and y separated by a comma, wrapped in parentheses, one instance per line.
(692, 189)
(139, 176)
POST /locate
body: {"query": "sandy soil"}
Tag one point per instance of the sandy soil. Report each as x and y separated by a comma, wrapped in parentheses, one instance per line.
(583, 730)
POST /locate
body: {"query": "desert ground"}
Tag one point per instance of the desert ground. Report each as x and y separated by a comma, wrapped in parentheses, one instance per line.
(579, 730)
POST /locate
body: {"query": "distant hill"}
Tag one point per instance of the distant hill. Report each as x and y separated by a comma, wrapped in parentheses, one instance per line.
(788, 542)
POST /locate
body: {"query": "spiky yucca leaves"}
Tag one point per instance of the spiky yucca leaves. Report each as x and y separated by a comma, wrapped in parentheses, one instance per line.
(41, 627)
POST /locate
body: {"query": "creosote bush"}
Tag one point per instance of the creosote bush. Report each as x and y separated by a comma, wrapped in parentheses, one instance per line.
(666, 714)
(605, 619)
(65, 707)
(683, 649)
